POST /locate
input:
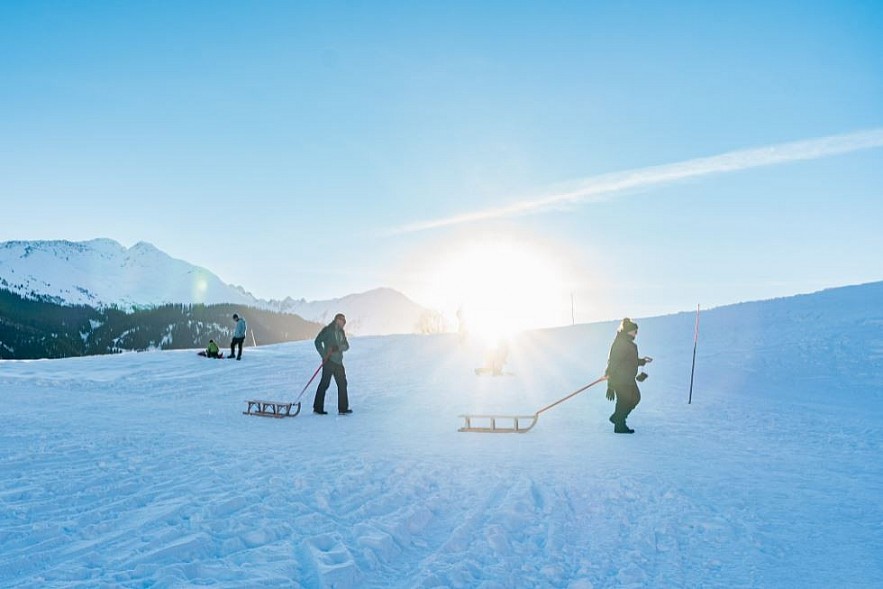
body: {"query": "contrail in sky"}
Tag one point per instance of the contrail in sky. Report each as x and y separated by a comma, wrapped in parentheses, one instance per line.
(598, 187)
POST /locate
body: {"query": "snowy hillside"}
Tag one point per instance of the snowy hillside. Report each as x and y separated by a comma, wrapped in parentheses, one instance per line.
(101, 272)
(140, 470)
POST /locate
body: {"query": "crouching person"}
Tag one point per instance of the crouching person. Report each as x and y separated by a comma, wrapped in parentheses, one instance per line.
(212, 350)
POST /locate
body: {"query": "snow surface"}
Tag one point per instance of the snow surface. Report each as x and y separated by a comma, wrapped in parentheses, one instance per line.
(140, 470)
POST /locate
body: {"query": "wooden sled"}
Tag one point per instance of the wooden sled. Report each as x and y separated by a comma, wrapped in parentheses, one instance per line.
(272, 409)
(280, 409)
(510, 424)
(277, 408)
(513, 424)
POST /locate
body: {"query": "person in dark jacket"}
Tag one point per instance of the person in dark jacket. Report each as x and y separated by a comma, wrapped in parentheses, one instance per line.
(331, 344)
(622, 368)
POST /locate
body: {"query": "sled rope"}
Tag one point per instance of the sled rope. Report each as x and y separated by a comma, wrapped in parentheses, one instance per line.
(312, 378)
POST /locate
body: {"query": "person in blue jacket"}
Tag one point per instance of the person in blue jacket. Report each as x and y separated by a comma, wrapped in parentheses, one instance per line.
(622, 368)
(331, 343)
(238, 336)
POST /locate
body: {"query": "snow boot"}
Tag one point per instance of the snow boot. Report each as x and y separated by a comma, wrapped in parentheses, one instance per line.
(622, 428)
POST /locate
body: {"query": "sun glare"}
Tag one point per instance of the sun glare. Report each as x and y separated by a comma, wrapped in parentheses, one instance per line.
(200, 286)
(500, 287)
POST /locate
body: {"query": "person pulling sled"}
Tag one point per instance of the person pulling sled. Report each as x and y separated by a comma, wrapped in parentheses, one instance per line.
(331, 343)
(622, 374)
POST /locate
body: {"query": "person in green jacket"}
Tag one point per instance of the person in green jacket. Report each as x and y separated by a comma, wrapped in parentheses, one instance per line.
(331, 343)
(212, 350)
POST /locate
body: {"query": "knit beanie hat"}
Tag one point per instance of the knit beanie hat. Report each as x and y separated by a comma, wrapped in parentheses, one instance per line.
(627, 325)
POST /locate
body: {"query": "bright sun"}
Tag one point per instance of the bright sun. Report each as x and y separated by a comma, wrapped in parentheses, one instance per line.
(501, 286)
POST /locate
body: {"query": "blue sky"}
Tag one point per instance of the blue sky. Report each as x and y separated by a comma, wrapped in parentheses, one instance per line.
(308, 149)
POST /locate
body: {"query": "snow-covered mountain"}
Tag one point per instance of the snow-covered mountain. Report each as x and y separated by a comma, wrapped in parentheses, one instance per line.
(382, 311)
(102, 272)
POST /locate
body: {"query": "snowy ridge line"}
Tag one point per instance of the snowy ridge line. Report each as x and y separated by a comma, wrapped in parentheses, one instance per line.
(102, 273)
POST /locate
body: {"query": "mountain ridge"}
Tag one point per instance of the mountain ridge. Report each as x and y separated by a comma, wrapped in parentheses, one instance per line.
(103, 273)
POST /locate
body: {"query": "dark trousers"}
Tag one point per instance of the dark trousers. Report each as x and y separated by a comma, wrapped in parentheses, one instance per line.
(330, 369)
(628, 395)
(237, 341)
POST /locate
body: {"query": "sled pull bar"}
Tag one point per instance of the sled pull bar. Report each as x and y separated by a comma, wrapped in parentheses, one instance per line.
(514, 424)
(312, 378)
(573, 394)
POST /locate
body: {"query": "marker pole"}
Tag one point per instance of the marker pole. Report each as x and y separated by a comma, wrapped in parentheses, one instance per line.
(695, 343)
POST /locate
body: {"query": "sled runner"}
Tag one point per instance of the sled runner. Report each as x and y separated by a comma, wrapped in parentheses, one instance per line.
(272, 409)
(513, 424)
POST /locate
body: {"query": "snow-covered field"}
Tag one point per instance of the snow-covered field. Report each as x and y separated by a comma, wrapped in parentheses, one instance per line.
(140, 470)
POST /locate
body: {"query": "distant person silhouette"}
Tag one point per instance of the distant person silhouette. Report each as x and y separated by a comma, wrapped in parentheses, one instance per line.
(495, 359)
